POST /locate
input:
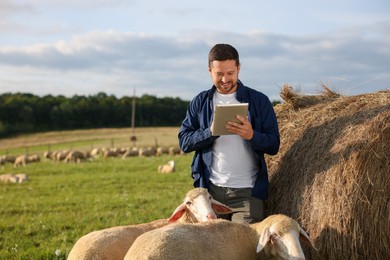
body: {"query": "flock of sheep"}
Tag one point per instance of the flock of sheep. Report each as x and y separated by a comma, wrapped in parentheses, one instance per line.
(19, 160)
(124, 152)
(194, 232)
(77, 156)
(16, 161)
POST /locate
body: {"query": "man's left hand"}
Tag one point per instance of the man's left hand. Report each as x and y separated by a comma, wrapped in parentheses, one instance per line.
(243, 129)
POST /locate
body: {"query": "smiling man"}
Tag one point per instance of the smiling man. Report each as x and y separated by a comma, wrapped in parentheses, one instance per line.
(232, 167)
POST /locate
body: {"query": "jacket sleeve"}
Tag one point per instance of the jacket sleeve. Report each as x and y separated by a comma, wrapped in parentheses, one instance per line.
(195, 131)
(266, 137)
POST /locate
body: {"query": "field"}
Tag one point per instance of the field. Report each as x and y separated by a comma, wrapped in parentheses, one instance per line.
(43, 217)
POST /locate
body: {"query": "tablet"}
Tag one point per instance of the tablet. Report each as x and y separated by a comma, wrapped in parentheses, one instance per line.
(224, 113)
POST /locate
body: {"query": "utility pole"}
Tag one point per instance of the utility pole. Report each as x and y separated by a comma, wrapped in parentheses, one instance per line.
(133, 113)
(133, 138)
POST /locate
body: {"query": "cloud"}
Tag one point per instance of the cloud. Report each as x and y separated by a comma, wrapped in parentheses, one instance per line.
(8, 7)
(177, 65)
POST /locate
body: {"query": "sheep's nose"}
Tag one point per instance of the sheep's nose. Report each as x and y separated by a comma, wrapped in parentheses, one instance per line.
(211, 216)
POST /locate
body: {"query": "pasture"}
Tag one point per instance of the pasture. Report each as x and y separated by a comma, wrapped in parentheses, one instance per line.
(43, 217)
(331, 174)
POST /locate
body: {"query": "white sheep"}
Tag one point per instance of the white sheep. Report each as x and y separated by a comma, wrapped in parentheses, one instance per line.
(34, 158)
(2, 160)
(21, 160)
(174, 150)
(147, 152)
(75, 156)
(47, 155)
(13, 178)
(132, 152)
(114, 242)
(25, 159)
(8, 178)
(162, 150)
(167, 168)
(9, 158)
(277, 237)
(110, 153)
(61, 155)
(22, 177)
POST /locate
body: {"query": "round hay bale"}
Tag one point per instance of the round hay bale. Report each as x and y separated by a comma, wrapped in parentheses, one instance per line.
(332, 174)
(295, 100)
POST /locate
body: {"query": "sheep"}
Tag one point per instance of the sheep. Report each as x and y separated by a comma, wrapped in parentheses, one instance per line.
(6, 158)
(114, 242)
(53, 155)
(13, 178)
(21, 160)
(95, 152)
(8, 178)
(131, 153)
(174, 150)
(162, 150)
(47, 155)
(75, 156)
(110, 153)
(9, 158)
(2, 162)
(33, 158)
(25, 159)
(276, 237)
(22, 177)
(123, 150)
(147, 152)
(61, 155)
(167, 168)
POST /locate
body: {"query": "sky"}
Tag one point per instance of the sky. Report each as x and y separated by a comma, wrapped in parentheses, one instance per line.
(160, 48)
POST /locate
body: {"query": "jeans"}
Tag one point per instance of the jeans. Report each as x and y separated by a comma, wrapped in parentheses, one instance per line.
(247, 209)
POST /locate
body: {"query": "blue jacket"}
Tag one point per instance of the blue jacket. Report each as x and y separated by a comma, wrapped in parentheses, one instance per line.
(195, 134)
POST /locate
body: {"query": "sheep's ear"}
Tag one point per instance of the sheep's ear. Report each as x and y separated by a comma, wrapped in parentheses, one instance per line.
(179, 211)
(264, 238)
(305, 238)
(220, 208)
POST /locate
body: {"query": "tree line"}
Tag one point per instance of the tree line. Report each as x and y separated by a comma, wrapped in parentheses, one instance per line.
(28, 113)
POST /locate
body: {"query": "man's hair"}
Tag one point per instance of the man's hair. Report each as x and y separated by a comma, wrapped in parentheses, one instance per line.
(223, 52)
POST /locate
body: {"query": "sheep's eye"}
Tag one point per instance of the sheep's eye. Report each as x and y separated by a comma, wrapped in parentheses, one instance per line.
(188, 203)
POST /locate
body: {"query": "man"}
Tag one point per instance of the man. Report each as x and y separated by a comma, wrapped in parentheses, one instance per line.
(231, 167)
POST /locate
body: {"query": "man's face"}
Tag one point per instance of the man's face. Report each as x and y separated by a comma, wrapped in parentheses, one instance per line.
(224, 75)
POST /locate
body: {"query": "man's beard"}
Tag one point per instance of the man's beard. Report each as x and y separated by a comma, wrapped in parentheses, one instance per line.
(223, 89)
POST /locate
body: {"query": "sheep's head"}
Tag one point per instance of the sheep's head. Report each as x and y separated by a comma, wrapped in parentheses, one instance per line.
(280, 237)
(199, 206)
(172, 164)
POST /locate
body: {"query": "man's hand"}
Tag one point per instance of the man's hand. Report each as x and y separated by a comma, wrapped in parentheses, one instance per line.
(243, 129)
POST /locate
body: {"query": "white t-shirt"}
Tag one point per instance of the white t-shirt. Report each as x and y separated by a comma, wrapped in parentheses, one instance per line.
(234, 164)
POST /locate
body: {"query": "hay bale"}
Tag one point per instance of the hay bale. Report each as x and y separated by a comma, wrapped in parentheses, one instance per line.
(333, 173)
(295, 100)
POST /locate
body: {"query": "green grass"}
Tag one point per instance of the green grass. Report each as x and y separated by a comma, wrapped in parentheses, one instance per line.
(43, 217)
(86, 139)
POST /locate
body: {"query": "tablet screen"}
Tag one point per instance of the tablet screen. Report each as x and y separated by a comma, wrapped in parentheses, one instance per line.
(224, 113)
